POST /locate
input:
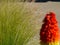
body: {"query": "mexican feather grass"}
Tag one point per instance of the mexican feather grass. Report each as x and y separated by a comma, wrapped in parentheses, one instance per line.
(16, 27)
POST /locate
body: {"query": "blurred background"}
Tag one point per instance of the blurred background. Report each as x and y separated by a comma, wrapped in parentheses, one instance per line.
(30, 0)
(20, 21)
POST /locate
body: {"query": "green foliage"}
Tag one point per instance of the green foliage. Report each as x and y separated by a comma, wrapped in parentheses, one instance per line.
(16, 27)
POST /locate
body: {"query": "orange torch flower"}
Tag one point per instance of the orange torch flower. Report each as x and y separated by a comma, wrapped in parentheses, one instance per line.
(49, 33)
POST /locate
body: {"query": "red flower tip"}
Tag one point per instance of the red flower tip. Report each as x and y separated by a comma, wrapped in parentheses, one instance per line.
(49, 31)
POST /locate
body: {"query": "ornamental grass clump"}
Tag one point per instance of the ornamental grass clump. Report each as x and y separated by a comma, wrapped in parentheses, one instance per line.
(49, 33)
(16, 24)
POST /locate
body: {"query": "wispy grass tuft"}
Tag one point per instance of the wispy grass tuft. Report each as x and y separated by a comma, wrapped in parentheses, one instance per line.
(16, 27)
